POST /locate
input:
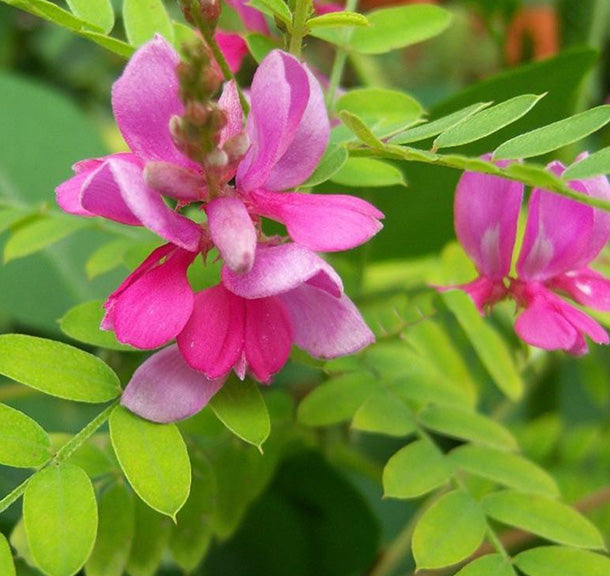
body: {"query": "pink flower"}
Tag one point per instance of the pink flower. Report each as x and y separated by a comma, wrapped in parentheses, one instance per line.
(288, 130)
(249, 322)
(562, 237)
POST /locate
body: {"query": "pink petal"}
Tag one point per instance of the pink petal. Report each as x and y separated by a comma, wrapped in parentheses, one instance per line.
(273, 122)
(253, 20)
(67, 195)
(326, 7)
(586, 286)
(486, 214)
(279, 269)
(322, 222)
(213, 339)
(175, 181)
(233, 48)
(166, 389)
(268, 337)
(117, 190)
(144, 99)
(323, 325)
(232, 232)
(229, 102)
(483, 291)
(155, 302)
(558, 236)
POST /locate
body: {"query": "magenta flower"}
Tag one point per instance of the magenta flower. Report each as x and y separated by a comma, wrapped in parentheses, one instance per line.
(249, 322)
(562, 238)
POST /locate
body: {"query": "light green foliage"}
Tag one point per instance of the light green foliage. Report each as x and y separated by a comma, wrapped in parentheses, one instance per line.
(144, 18)
(337, 19)
(107, 257)
(384, 413)
(94, 456)
(555, 135)
(60, 514)
(97, 12)
(154, 459)
(596, 163)
(492, 564)
(59, 370)
(415, 470)
(83, 324)
(449, 531)
(554, 560)
(367, 173)
(259, 45)
(23, 442)
(384, 111)
(360, 129)
(333, 160)
(276, 8)
(114, 534)
(7, 566)
(241, 408)
(545, 517)
(487, 121)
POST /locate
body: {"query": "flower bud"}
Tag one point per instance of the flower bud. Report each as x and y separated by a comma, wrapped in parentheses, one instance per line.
(237, 146)
(217, 158)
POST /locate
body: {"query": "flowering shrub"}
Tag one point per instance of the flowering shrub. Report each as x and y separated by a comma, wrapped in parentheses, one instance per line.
(278, 330)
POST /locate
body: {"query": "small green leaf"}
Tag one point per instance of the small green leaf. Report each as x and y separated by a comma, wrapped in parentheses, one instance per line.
(557, 561)
(593, 165)
(334, 19)
(415, 470)
(7, 566)
(508, 469)
(83, 324)
(490, 565)
(487, 121)
(544, 517)
(23, 442)
(60, 514)
(383, 111)
(240, 406)
(467, 425)
(40, 233)
(437, 126)
(114, 534)
(96, 12)
(145, 18)
(336, 400)
(106, 258)
(490, 347)
(360, 129)
(384, 413)
(57, 369)
(332, 161)
(154, 459)
(152, 534)
(555, 135)
(11, 216)
(449, 531)
(367, 173)
(273, 8)
(260, 45)
(95, 461)
(394, 28)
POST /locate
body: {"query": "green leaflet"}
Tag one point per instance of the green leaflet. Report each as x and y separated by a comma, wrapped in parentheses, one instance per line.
(23, 442)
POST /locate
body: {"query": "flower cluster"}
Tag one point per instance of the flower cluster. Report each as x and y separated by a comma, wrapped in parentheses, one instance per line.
(562, 237)
(274, 291)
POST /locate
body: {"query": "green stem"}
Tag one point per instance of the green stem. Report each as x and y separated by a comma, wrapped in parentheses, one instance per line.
(339, 64)
(299, 26)
(62, 454)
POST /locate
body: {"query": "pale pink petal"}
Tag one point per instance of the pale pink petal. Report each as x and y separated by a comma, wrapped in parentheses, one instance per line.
(268, 337)
(153, 305)
(166, 389)
(229, 102)
(67, 195)
(322, 222)
(279, 269)
(213, 339)
(144, 99)
(303, 154)
(119, 192)
(232, 232)
(557, 238)
(233, 48)
(486, 214)
(325, 326)
(175, 181)
(253, 20)
(586, 286)
(273, 122)
(483, 291)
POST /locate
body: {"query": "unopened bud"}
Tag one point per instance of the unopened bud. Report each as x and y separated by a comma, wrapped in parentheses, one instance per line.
(237, 146)
(218, 119)
(197, 113)
(176, 130)
(217, 158)
(210, 12)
